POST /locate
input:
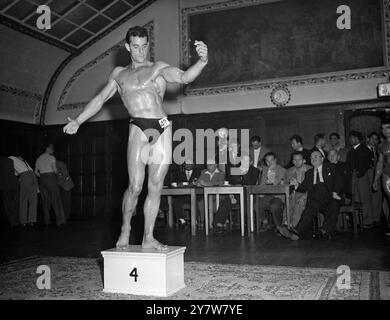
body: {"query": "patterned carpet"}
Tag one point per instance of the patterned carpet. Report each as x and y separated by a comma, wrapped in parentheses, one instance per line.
(81, 278)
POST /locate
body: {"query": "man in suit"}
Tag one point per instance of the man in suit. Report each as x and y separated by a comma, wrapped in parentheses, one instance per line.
(359, 161)
(323, 188)
(187, 175)
(319, 145)
(257, 152)
(249, 175)
(273, 174)
(297, 145)
(9, 187)
(334, 143)
(66, 185)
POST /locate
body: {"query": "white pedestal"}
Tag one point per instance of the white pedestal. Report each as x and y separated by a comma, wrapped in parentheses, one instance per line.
(144, 271)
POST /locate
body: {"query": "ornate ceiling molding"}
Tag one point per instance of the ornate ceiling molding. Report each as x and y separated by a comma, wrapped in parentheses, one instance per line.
(270, 84)
(36, 98)
(61, 106)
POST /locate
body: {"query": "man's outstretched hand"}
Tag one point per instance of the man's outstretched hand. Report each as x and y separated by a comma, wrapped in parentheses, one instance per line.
(72, 126)
(202, 50)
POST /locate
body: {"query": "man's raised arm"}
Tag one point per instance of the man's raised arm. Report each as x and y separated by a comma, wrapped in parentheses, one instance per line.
(175, 75)
(94, 106)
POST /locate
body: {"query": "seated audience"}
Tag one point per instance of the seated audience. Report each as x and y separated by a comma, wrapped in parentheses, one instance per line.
(248, 175)
(28, 191)
(359, 161)
(340, 168)
(209, 177)
(323, 188)
(187, 175)
(273, 174)
(319, 145)
(297, 145)
(335, 144)
(297, 199)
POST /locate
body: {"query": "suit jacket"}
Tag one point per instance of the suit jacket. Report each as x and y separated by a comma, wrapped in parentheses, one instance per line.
(340, 168)
(263, 151)
(250, 178)
(321, 192)
(63, 177)
(279, 176)
(359, 160)
(306, 155)
(182, 177)
(8, 180)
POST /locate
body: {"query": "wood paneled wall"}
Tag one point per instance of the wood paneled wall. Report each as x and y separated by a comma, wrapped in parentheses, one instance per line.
(96, 156)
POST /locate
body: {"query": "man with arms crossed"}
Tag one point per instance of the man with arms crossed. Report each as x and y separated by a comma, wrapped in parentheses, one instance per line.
(142, 85)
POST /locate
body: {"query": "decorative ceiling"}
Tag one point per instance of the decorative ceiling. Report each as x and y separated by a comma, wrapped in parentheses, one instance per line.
(74, 23)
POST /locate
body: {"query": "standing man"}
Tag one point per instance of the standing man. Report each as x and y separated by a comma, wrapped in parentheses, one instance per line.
(28, 192)
(9, 191)
(257, 152)
(46, 170)
(334, 143)
(142, 85)
(66, 185)
(359, 161)
(319, 145)
(323, 188)
(297, 145)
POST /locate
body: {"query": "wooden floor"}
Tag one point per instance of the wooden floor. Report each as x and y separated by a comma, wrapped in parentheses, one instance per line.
(86, 239)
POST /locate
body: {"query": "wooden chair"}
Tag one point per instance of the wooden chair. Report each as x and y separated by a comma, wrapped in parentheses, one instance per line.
(355, 211)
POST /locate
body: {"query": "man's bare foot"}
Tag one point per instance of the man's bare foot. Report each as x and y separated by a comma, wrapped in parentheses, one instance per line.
(123, 240)
(151, 243)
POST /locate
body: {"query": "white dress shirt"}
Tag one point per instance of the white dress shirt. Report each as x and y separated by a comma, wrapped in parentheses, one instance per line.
(256, 157)
(320, 174)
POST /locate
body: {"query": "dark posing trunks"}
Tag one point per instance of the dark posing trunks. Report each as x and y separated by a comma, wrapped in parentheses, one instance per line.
(147, 124)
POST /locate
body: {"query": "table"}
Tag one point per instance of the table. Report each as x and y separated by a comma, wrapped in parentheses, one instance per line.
(224, 190)
(266, 189)
(180, 191)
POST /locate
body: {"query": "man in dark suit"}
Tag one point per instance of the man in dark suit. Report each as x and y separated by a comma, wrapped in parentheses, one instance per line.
(319, 145)
(323, 189)
(66, 185)
(297, 145)
(359, 161)
(187, 175)
(9, 187)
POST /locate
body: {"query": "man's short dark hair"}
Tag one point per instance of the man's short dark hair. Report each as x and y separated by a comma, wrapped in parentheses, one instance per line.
(137, 31)
(255, 139)
(374, 134)
(297, 153)
(318, 137)
(386, 121)
(334, 134)
(297, 138)
(357, 135)
(270, 154)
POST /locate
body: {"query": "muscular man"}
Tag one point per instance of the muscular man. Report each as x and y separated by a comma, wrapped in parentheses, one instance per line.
(142, 85)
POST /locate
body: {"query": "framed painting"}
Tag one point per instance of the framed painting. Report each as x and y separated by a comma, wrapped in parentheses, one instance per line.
(257, 44)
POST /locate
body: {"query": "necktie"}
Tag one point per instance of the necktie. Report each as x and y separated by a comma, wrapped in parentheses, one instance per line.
(317, 176)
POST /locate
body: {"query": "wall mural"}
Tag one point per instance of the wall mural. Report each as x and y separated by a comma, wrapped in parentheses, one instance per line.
(257, 45)
(94, 62)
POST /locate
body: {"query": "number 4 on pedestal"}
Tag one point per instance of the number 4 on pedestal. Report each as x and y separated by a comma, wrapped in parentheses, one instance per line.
(134, 274)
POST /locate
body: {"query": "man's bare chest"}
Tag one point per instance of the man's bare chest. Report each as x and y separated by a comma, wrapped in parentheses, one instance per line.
(142, 78)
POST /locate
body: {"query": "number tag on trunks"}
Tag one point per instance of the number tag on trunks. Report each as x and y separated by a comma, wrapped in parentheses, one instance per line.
(164, 123)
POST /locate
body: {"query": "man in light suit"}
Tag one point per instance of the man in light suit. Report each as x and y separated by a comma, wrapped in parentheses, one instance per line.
(257, 152)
